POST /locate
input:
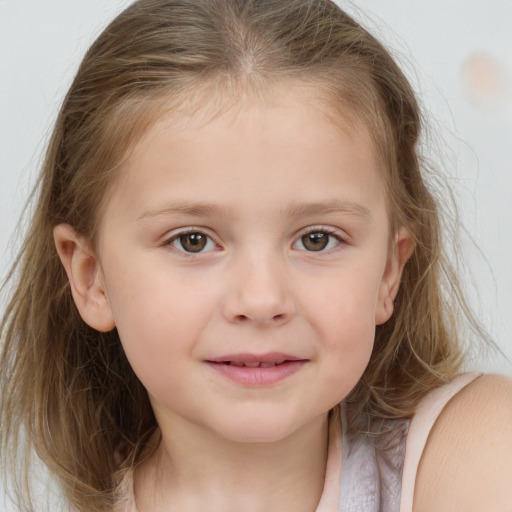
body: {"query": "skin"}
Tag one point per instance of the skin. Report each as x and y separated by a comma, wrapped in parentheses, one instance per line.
(252, 181)
(467, 462)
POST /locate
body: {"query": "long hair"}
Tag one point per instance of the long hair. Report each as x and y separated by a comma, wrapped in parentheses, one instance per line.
(71, 388)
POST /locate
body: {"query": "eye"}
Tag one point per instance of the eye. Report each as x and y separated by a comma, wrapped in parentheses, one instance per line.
(317, 241)
(192, 242)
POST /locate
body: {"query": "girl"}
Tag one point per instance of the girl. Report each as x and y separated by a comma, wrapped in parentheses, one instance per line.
(233, 237)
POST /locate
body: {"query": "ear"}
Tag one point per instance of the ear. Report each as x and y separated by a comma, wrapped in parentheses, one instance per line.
(85, 278)
(400, 251)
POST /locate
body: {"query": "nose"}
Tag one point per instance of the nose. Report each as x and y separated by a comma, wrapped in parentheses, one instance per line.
(258, 294)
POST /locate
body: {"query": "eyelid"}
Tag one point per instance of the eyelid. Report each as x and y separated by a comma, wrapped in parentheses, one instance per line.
(177, 233)
(331, 230)
(336, 233)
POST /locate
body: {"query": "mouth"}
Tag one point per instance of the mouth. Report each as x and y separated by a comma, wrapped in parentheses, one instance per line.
(255, 360)
(257, 369)
(255, 364)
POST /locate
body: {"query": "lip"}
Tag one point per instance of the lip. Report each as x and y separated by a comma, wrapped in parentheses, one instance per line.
(267, 358)
(278, 366)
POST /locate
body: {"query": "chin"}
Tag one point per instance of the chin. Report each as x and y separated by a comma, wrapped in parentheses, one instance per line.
(258, 430)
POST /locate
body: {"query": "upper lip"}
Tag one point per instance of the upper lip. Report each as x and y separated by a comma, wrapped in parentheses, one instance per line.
(268, 358)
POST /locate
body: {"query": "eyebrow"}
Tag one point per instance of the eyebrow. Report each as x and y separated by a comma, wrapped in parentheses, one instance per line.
(192, 209)
(325, 207)
(293, 210)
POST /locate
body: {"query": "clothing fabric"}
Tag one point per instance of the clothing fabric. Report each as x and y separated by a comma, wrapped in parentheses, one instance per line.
(378, 474)
(370, 473)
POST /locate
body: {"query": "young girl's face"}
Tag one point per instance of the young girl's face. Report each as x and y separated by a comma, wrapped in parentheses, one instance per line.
(246, 261)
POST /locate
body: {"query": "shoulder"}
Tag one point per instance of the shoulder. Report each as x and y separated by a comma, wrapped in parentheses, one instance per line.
(467, 462)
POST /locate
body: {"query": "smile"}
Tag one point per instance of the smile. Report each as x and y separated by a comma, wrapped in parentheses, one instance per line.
(255, 364)
(257, 370)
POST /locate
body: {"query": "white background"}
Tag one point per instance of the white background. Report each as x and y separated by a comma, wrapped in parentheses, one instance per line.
(458, 53)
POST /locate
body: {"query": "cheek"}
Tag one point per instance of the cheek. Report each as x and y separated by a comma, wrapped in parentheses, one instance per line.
(344, 316)
(346, 304)
(159, 321)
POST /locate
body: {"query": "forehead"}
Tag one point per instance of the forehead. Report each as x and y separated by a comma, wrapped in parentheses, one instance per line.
(196, 106)
(284, 147)
(294, 110)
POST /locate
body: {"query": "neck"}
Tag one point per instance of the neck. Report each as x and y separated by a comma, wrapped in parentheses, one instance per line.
(197, 470)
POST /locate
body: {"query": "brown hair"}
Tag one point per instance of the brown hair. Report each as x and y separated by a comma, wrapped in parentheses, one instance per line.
(71, 387)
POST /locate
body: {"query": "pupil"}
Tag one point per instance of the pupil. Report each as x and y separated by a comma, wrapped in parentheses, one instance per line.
(315, 241)
(193, 242)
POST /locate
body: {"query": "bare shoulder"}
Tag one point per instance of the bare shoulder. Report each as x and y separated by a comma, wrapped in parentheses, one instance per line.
(467, 462)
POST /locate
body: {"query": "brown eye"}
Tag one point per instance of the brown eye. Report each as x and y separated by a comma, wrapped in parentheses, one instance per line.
(193, 242)
(315, 241)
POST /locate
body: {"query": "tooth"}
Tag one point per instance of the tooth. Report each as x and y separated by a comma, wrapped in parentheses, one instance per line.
(234, 363)
(267, 365)
(253, 365)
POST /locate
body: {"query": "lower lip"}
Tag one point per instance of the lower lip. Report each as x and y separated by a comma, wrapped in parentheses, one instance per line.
(258, 376)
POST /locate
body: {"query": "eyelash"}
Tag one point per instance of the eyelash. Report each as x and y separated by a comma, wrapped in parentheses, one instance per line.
(331, 233)
(191, 231)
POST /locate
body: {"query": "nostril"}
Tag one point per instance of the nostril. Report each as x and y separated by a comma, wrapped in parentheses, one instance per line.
(241, 318)
(278, 317)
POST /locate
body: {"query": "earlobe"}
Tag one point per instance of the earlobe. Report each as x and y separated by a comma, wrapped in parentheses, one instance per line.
(400, 252)
(85, 278)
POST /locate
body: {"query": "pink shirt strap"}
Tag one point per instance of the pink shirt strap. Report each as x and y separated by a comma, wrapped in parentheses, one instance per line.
(421, 424)
(329, 502)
